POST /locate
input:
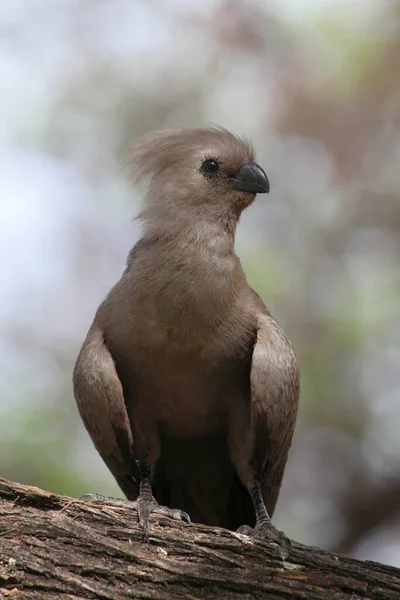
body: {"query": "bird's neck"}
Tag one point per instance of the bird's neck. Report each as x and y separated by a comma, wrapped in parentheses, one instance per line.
(205, 224)
(191, 237)
(192, 272)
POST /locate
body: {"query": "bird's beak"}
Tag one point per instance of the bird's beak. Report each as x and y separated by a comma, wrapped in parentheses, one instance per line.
(251, 178)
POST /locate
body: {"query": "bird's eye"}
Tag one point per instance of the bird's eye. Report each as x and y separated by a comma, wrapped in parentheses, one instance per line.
(210, 166)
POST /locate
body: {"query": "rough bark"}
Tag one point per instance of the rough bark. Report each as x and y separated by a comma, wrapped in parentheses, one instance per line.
(60, 548)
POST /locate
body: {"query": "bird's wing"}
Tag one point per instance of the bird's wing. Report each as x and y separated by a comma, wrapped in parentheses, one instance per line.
(274, 382)
(100, 399)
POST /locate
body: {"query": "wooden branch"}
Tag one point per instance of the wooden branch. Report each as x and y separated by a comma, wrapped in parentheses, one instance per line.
(54, 547)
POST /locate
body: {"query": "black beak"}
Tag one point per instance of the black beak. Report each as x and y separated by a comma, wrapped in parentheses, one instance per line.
(251, 178)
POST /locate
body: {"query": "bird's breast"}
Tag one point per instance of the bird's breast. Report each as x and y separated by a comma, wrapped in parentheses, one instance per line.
(188, 401)
(186, 302)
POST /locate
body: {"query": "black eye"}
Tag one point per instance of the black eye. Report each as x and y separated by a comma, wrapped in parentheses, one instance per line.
(210, 166)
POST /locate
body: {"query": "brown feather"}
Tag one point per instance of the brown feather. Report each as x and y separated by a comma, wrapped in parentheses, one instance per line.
(274, 381)
(159, 150)
(184, 369)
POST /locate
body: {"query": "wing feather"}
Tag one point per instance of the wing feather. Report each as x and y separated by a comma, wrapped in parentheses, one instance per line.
(100, 399)
(274, 383)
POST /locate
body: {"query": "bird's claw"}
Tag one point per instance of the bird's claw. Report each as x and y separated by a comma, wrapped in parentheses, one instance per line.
(269, 532)
(146, 507)
(174, 513)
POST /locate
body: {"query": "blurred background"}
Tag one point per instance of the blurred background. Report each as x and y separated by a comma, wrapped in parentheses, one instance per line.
(316, 85)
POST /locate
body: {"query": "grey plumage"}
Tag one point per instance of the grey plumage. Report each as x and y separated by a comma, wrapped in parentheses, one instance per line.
(185, 379)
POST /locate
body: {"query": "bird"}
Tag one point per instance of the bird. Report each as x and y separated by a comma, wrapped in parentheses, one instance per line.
(185, 382)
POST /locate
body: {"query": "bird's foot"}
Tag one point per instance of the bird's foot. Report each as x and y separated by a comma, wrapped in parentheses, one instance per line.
(147, 506)
(270, 533)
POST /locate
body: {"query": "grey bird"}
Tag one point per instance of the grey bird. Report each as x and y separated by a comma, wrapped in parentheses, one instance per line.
(186, 384)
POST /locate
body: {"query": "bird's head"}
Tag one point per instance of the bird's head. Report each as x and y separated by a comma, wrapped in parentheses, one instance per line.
(198, 172)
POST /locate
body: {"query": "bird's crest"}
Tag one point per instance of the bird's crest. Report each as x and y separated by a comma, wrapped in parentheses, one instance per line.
(159, 149)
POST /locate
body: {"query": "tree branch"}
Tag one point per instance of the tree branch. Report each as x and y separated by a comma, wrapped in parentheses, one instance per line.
(60, 548)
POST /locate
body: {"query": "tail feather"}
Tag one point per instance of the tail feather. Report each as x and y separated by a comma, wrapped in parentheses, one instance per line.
(197, 476)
